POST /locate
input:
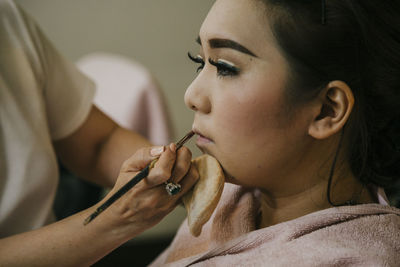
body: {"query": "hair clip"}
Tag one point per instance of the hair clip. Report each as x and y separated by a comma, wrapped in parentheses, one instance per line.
(323, 12)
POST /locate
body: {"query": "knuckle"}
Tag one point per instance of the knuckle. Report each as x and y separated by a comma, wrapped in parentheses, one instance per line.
(185, 152)
(162, 174)
(125, 165)
(182, 166)
(184, 161)
(168, 154)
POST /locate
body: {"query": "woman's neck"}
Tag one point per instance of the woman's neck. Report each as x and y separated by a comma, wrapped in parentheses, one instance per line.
(275, 210)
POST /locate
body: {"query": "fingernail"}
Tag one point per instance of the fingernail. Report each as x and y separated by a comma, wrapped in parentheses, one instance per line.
(156, 151)
(172, 146)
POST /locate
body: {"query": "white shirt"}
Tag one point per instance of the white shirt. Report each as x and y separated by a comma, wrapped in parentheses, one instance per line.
(43, 98)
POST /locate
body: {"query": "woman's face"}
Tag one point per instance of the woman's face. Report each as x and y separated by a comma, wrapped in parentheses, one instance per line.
(241, 112)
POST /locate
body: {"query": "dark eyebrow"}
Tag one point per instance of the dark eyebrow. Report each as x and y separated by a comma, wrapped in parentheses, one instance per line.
(226, 43)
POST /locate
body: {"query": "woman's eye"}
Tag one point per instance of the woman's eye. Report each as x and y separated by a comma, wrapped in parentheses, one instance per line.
(224, 68)
(198, 59)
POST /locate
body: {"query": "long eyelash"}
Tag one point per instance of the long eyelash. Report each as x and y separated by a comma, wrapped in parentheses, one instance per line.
(198, 60)
(223, 68)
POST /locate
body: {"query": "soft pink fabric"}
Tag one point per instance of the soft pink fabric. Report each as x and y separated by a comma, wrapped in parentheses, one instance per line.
(381, 195)
(362, 235)
(128, 94)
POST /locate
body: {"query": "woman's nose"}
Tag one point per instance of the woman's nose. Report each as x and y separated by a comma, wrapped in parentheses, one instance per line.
(197, 98)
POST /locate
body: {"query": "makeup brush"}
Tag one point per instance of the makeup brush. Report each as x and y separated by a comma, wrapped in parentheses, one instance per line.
(138, 177)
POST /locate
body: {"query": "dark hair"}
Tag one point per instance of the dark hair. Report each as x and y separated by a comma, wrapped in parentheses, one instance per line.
(358, 42)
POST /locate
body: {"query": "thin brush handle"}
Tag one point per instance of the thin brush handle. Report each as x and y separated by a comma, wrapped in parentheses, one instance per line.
(142, 174)
(138, 177)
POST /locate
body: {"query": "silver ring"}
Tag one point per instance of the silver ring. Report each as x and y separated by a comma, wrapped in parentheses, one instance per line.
(172, 188)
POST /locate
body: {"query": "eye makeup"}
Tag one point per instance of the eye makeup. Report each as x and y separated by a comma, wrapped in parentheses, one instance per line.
(224, 67)
(197, 59)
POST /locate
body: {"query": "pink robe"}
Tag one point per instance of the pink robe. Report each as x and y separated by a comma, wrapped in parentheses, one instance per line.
(362, 235)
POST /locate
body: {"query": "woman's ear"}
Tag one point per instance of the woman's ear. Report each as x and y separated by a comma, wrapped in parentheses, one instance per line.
(332, 111)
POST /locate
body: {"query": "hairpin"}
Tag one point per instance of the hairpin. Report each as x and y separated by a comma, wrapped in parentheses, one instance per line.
(323, 12)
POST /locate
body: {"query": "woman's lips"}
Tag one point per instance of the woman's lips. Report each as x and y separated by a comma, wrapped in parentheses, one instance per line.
(201, 139)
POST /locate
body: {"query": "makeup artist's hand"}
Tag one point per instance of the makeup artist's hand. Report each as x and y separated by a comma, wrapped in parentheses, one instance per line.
(148, 202)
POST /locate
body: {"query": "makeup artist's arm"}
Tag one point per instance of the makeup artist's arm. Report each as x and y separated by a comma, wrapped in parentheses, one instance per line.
(97, 149)
(69, 243)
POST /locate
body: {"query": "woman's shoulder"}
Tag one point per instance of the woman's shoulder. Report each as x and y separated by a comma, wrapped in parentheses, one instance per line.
(349, 235)
(357, 223)
(359, 235)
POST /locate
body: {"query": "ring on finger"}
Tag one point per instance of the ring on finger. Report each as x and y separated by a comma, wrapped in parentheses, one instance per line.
(172, 188)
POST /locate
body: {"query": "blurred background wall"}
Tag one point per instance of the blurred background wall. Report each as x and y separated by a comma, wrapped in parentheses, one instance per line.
(156, 33)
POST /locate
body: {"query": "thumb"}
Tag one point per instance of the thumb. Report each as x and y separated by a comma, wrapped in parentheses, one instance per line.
(156, 151)
(142, 158)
